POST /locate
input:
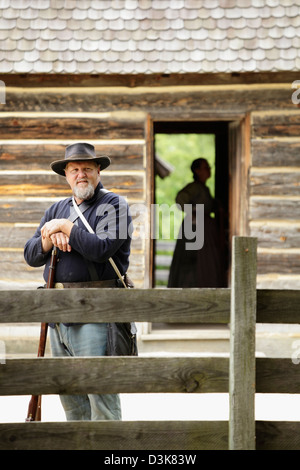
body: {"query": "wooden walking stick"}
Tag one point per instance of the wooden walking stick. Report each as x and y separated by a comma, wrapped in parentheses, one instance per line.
(34, 408)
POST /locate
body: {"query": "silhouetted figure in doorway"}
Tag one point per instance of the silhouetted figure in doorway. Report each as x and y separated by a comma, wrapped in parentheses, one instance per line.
(203, 267)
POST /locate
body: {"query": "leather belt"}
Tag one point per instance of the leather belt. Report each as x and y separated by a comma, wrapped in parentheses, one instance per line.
(86, 285)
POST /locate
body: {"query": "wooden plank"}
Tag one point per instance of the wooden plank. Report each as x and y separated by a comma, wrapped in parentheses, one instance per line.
(157, 305)
(184, 100)
(276, 207)
(275, 181)
(130, 185)
(37, 155)
(280, 262)
(242, 345)
(276, 124)
(61, 127)
(278, 375)
(115, 435)
(19, 210)
(14, 267)
(31, 209)
(46, 80)
(276, 234)
(114, 375)
(278, 306)
(15, 235)
(275, 152)
(280, 435)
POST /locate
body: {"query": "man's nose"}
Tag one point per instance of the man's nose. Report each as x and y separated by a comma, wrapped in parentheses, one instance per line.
(81, 172)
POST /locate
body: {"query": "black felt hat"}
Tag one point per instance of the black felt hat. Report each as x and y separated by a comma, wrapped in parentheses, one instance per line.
(79, 152)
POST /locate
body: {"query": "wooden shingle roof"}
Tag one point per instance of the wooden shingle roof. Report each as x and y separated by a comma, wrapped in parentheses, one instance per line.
(149, 36)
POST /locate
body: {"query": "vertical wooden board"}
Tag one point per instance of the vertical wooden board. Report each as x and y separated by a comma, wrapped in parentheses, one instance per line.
(242, 344)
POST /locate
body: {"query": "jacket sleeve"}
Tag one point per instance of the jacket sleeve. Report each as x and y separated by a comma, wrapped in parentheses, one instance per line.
(33, 253)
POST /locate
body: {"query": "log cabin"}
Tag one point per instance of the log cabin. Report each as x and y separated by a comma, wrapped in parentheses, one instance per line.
(118, 73)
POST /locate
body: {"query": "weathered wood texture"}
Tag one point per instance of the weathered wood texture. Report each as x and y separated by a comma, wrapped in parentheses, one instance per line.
(67, 128)
(51, 185)
(271, 124)
(114, 375)
(155, 100)
(272, 435)
(281, 261)
(29, 155)
(160, 305)
(142, 374)
(156, 80)
(275, 182)
(139, 435)
(274, 192)
(278, 208)
(155, 375)
(186, 375)
(242, 344)
(112, 435)
(275, 235)
(275, 152)
(16, 271)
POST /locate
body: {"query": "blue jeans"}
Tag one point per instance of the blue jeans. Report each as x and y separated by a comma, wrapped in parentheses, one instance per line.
(84, 340)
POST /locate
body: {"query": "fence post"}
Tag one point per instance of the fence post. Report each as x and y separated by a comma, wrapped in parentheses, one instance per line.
(242, 345)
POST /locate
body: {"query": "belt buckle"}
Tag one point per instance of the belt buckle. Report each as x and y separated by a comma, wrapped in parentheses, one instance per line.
(58, 285)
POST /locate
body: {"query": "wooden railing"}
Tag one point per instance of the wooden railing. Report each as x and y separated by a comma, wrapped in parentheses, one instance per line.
(241, 375)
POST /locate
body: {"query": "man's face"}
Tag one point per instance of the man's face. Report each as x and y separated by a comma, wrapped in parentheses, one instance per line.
(203, 172)
(83, 177)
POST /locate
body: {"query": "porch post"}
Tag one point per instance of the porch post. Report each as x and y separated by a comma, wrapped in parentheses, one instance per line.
(242, 345)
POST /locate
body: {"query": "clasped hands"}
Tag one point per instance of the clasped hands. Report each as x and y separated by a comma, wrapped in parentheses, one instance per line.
(56, 232)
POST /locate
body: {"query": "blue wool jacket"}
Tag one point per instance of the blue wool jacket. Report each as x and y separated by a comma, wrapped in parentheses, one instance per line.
(109, 217)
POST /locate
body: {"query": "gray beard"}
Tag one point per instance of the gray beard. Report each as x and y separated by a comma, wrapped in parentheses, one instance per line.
(84, 193)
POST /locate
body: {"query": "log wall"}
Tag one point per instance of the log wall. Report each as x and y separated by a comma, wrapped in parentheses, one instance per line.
(275, 196)
(37, 121)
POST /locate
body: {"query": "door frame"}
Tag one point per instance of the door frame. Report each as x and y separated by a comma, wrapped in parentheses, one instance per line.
(239, 160)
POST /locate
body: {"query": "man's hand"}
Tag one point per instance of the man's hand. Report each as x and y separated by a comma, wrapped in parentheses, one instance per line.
(61, 241)
(56, 232)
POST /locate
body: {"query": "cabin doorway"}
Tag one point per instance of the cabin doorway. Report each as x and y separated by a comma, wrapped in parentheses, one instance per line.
(172, 171)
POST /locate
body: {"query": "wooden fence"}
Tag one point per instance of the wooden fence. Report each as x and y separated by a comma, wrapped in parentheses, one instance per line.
(241, 375)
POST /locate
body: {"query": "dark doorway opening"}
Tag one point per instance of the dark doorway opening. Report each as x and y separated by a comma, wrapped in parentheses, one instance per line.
(220, 131)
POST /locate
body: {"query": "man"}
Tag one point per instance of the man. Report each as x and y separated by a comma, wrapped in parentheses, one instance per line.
(83, 262)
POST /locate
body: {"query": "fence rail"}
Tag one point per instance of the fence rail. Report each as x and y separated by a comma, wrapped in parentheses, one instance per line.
(241, 375)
